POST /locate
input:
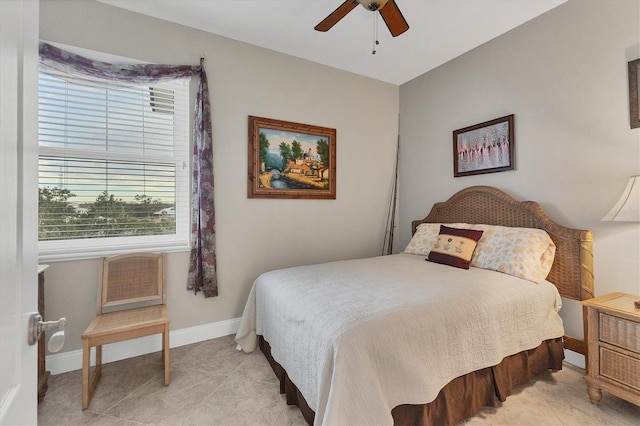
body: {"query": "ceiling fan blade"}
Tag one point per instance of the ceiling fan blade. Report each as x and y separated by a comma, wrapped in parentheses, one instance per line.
(336, 15)
(393, 18)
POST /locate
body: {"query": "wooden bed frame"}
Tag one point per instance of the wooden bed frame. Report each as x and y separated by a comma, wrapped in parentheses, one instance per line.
(571, 273)
(572, 270)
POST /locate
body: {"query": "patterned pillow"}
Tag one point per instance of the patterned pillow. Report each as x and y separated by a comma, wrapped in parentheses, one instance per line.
(426, 236)
(454, 246)
(522, 252)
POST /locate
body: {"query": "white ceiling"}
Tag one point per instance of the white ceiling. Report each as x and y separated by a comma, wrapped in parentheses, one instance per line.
(439, 30)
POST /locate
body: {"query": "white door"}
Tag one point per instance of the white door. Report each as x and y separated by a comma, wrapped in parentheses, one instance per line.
(18, 208)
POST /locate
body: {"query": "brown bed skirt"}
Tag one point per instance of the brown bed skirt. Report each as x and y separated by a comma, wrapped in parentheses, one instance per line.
(461, 398)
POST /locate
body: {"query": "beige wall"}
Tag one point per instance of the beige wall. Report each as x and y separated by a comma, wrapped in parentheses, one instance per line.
(253, 235)
(564, 76)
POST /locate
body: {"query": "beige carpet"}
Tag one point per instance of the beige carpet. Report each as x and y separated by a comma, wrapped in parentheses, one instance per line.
(214, 384)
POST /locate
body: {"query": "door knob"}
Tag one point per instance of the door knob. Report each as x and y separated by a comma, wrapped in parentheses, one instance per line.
(37, 327)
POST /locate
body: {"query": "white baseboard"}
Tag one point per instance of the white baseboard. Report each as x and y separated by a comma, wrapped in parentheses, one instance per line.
(72, 360)
(574, 358)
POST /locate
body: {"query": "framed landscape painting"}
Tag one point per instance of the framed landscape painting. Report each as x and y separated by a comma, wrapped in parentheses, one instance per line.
(290, 160)
(484, 148)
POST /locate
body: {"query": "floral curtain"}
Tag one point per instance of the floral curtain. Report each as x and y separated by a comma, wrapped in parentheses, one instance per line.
(202, 269)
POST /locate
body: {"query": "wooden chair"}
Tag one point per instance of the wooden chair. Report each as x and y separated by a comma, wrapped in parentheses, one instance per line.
(131, 303)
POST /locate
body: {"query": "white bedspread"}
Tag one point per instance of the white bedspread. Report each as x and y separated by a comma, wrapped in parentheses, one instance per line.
(360, 337)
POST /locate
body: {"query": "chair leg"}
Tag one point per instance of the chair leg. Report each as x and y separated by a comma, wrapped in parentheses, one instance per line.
(98, 361)
(89, 379)
(165, 353)
(86, 353)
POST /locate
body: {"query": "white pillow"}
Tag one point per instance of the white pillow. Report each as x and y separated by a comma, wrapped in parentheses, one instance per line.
(522, 252)
(426, 236)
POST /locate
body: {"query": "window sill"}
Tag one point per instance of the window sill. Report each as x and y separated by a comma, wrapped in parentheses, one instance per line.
(58, 256)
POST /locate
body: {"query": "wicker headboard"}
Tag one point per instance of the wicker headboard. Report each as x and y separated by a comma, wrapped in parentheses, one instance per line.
(572, 270)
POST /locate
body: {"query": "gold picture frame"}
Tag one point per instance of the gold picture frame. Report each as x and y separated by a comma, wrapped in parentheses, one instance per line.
(290, 160)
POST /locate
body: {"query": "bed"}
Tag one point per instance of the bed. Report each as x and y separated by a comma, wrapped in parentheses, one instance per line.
(373, 341)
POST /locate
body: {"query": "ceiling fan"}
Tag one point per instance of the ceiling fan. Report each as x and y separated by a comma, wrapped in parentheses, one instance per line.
(388, 10)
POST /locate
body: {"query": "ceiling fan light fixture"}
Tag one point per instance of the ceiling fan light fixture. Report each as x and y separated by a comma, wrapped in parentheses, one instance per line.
(388, 10)
(373, 5)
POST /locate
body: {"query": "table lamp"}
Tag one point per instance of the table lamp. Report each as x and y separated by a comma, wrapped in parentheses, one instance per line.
(627, 209)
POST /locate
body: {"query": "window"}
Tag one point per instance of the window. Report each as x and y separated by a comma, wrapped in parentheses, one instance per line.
(113, 166)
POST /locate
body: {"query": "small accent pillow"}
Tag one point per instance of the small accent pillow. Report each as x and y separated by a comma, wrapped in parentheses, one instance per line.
(426, 236)
(454, 246)
(526, 253)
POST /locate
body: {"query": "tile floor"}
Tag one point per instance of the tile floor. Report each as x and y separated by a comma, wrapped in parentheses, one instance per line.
(234, 388)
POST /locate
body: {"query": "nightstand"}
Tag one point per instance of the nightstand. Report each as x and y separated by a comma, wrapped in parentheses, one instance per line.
(613, 339)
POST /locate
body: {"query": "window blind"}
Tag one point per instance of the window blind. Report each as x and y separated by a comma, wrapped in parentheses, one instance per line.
(113, 162)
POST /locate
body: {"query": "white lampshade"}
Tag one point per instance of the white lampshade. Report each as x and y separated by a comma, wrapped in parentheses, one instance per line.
(627, 209)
